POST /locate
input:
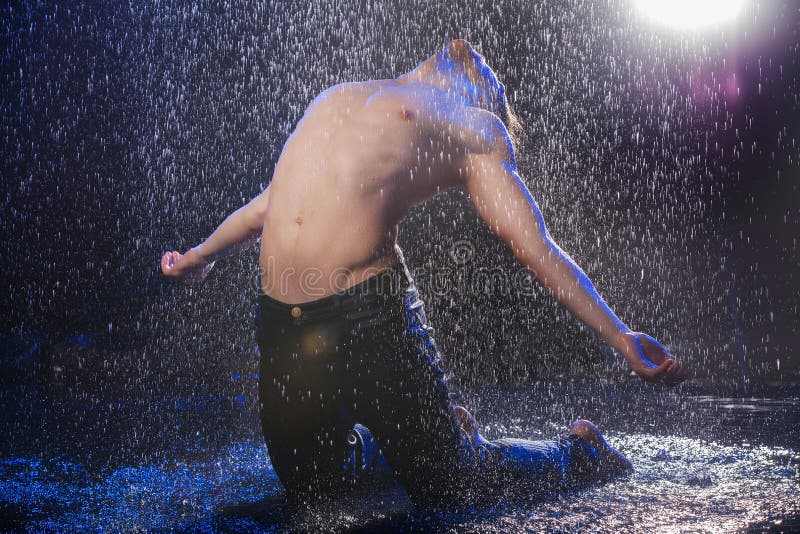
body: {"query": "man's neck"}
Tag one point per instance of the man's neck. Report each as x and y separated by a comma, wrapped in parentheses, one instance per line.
(444, 82)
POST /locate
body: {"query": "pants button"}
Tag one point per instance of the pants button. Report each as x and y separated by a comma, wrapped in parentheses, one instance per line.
(296, 312)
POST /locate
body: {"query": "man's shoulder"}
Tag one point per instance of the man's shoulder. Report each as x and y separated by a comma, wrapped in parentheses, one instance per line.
(350, 89)
(478, 131)
(338, 92)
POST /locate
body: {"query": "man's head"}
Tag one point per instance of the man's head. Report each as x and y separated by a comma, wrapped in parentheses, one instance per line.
(460, 69)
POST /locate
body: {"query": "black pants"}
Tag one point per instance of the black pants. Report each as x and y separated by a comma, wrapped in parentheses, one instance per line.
(368, 356)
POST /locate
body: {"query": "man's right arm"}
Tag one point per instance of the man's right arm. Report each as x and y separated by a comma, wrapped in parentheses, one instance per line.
(239, 230)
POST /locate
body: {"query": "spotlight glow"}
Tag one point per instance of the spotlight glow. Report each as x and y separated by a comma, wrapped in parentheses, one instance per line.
(690, 14)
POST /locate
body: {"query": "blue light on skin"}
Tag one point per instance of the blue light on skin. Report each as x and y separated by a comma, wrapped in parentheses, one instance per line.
(466, 78)
(476, 94)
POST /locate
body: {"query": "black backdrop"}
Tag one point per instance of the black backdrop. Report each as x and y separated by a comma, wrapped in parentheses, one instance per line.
(666, 164)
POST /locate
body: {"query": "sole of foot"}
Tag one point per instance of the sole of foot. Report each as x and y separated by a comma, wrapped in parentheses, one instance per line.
(468, 424)
(613, 462)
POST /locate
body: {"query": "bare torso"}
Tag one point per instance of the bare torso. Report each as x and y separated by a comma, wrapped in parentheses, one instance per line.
(361, 156)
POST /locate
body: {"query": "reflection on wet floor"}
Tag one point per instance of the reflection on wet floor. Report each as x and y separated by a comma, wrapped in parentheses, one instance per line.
(703, 463)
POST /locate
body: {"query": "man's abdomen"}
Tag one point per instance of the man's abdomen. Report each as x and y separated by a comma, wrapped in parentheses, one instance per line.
(320, 262)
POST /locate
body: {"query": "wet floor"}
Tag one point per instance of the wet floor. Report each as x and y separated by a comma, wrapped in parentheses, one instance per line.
(703, 464)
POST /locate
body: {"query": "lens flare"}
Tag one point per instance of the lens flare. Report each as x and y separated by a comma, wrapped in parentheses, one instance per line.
(690, 14)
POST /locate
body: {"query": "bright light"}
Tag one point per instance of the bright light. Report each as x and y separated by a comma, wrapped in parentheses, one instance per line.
(690, 14)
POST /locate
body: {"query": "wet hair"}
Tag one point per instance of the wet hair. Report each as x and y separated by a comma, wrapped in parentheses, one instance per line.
(498, 103)
(509, 118)
(500, 106)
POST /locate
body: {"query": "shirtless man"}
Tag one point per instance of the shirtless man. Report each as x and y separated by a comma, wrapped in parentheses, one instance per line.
(362, 155)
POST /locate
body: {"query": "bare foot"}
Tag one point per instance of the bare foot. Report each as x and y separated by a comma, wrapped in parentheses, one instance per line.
(468, 424)
(612, 461)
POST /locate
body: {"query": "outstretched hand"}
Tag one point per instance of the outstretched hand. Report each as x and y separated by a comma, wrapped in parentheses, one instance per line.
(651, 361)
(189, 268)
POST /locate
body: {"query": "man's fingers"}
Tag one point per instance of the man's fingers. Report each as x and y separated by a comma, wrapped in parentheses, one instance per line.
(678, 369)
(670, 378)
(681, 373)
(659, 372)
(166, 262)
(675, 375)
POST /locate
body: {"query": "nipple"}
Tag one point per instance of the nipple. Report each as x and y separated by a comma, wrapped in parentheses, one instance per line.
(406, 114)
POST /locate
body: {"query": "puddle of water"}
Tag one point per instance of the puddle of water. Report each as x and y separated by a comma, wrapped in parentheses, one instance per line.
(702, 464)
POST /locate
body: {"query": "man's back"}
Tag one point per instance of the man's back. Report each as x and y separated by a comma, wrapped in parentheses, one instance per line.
(361, 156)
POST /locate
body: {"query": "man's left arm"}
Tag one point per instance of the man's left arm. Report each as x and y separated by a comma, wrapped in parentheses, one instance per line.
(504, 202)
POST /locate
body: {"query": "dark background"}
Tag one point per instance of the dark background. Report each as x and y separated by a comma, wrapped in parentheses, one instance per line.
(665, 162)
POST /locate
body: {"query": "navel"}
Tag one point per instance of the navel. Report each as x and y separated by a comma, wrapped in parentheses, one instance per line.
(298, 220)
(406, 114)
